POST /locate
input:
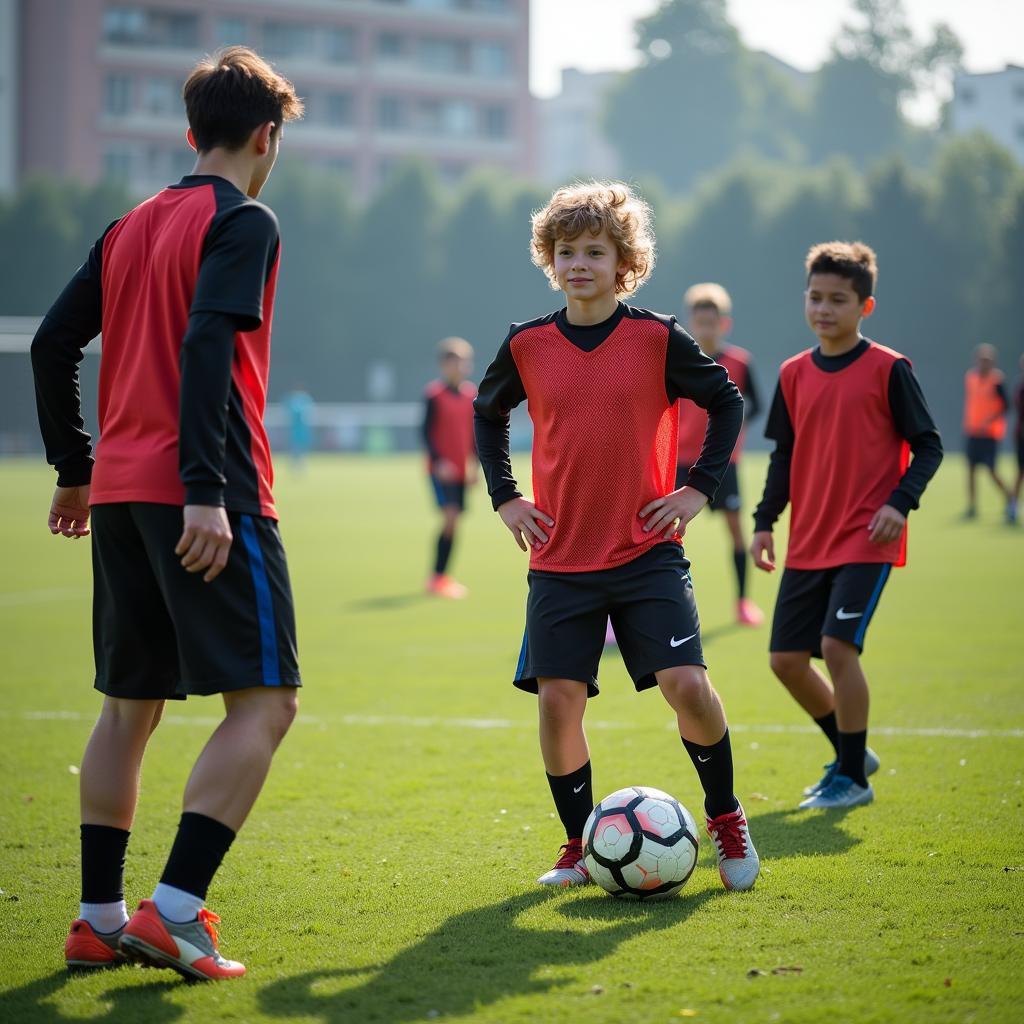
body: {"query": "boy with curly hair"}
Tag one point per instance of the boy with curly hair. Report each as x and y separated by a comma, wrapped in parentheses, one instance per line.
(605, 527)
(845, 417)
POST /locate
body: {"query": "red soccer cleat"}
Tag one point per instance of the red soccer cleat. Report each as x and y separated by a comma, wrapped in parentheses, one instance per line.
(89, 950)
(747, 613)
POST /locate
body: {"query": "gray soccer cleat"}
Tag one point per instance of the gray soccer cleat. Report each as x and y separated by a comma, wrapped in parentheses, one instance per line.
(871, 763)
(738, 862)
(569, 869)
(842, 791)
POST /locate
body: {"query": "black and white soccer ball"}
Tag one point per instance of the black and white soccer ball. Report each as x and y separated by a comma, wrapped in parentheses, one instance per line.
(640, 843)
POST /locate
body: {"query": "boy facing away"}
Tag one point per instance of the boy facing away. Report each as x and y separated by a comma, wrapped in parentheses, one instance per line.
(191, 591)
(709, 309)
(451, 455)
(604, 532)
(845, 417)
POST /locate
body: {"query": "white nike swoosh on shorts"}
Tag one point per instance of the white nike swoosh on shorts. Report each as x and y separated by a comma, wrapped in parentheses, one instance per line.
(678, 643)
(844, 614)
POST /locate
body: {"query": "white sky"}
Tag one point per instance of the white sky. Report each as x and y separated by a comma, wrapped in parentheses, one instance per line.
(597, 35)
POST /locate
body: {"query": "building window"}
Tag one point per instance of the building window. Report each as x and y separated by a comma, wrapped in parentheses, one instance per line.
(287, 39)
(967, 96)
(124, 25)
(340, 109)
(444, 55)
(492, 60)
(229, 31)
(160, 96)
(117, 95)
(495, 122)
(341, 45)
(428, 116)
(390, 113)
(458, 118)
(390, 45)
(151, 26)
(119, 162)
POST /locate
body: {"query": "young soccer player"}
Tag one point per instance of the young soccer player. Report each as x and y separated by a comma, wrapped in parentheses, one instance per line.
(191, 591)
(451, 456)
(985, 408)
(602, 379)
(709, 309)
(843, 417)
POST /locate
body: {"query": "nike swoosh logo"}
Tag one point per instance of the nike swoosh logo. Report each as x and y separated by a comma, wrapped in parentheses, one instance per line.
(576, 789)
(844, 614)
(678, 643)
(703, 760)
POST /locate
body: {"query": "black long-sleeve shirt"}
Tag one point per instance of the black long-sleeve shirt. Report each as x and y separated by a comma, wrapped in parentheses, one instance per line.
(688, 374)
(913, 422)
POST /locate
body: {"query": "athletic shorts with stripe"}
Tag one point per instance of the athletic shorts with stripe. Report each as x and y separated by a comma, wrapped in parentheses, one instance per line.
(837, 602)
(652, 608)
(160, 632)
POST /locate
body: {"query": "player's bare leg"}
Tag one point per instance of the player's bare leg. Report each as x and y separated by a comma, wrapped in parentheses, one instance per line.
(807, 686)
(440, 583)
(747, 613)
(562, 704)
(704, 732)
(972, 491)
(108, 794)
(848, 785)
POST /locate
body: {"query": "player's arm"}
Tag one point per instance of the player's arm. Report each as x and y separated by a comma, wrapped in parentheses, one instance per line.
(751, 396)
(691, 374)
(238, 255)
(441, 467)
(914, 423)
(500, 391)
(779, 429)
(57, 349)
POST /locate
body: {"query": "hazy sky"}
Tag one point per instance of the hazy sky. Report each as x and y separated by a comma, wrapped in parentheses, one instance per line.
(598, 34)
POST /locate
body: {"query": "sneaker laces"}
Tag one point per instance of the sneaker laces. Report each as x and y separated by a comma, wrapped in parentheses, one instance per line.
(572, 856)
(728, 835)
(207, 918)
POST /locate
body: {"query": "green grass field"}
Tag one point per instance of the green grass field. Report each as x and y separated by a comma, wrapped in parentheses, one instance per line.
(387, 872)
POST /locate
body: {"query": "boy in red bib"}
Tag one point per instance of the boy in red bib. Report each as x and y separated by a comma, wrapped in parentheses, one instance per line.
(845, 418)
(602, 379)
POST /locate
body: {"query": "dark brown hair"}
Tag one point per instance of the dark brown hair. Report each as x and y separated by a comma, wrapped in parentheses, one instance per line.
(853, 260)
(230, 93)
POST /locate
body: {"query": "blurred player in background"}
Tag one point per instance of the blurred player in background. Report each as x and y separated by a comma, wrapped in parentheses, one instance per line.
(985, 408)
(299, 406)
(1018, 403)
(709, 311)
(451, 452)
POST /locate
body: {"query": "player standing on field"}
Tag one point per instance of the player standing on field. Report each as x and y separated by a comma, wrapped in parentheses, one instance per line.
(985, 408)
(451, 454)
(709, 321)
(191, 592)
(602, 379)
(845, 417)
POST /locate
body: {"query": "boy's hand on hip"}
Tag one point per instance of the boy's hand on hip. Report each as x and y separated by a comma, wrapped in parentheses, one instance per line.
(683, 505)
(523, 518)
(762, 550)
(69, 512)
(205, 541)
(886, 525)
(445, 471)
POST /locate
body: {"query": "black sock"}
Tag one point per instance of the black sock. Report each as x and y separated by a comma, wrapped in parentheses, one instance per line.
(574, 799)
(198, 849)
(103, 850)
(714, 767)
(851, 756)
(827, 724)
(444, 552)
(740, 559)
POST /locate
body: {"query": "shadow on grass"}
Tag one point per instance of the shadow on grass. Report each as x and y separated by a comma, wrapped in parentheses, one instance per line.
(386, 603)
(474, 960)
(709, 636)
(36, 1001)
(796, 833)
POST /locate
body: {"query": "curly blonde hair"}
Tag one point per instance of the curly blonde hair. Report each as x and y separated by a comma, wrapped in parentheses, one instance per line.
(593, 206)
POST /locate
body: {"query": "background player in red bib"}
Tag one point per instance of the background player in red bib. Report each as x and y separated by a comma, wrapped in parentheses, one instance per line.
(709, 310)
(1018, 404)
(191, 592)
(602, 379)
(985, 407)
(451, 454)
(845, 417)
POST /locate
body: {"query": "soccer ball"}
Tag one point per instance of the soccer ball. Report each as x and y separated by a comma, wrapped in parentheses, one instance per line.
(640, 843)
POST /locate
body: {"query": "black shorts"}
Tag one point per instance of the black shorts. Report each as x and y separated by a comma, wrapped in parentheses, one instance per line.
(650, 602)
(727, 497)
(838, 602)
(982, 451)
(160, 632)
(448, 493)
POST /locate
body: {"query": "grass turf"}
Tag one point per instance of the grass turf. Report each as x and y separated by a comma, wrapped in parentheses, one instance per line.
(387, 872)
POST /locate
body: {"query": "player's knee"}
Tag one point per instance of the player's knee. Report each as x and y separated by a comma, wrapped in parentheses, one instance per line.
(130, 716)
(686, 688)
(787, 664)
(284, 712)
(837, 652)
(561, 704)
